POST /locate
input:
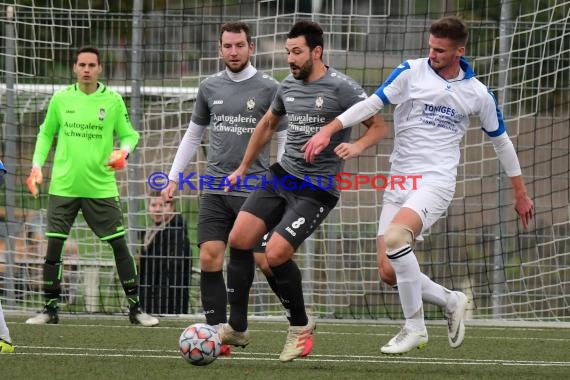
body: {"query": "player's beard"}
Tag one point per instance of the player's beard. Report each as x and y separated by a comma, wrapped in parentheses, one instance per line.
(437, 66)
(239, 68)
(304, 71)
(442, 66)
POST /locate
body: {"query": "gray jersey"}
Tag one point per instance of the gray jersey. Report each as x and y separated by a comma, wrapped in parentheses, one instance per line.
(232, 111)
(309, 107)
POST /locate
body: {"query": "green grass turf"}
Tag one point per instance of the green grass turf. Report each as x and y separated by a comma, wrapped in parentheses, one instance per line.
(110, 348)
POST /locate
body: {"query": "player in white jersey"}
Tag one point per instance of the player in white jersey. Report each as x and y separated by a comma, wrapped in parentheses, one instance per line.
(230, 103)
(435, 97)
(6, 345)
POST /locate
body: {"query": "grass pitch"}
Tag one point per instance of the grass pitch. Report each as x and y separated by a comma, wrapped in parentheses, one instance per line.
(110, 348)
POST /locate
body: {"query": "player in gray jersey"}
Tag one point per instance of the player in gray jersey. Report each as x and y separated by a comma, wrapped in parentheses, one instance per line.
(310, 97)
(231, 103)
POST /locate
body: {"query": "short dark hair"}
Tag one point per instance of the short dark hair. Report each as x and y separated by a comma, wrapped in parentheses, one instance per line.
(88, 49)
(451, 27)
(154, 193)
(311, 30)
(158, 194)
(236, 27)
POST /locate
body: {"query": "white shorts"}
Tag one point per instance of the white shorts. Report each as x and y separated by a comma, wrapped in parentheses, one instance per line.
(429, 201)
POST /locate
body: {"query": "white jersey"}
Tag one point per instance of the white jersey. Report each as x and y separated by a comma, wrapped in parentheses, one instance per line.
(432, 116)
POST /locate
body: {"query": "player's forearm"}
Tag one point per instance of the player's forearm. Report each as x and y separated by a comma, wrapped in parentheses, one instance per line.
(128, 136)
(519, 187)
(42, 148)
(376, 131)
(129, 139)
(507, 155)
(281, 140)
(332, 128)
(261, 136)
(47, 131)
(186, 150)
(361, 111)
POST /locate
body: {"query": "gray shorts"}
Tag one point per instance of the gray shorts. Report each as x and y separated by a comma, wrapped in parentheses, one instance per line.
(216, 218)
(103, 215)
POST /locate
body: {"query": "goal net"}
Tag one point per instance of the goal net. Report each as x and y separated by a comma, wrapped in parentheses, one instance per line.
(156, 55)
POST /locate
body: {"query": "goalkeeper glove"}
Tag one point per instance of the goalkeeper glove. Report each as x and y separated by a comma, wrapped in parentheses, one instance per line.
(35, 178)
(118, 159)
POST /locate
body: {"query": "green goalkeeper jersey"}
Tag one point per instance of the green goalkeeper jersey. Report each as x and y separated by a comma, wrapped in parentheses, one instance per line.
(85, 126)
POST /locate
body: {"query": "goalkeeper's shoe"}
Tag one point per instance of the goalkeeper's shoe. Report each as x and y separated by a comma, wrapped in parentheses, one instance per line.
(406, 340)
(6, 347)
(138, 317)
(48, 316)
(455, 320)
(299, 342)
(231, 337)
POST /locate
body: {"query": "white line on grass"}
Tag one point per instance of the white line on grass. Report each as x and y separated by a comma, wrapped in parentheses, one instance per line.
(321, 332)
(92, 352)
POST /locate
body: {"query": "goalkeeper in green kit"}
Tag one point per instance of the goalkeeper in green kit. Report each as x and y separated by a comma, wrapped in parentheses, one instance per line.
(85, 117)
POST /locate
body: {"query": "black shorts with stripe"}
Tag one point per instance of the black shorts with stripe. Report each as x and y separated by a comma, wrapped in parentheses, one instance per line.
(103, 215)
(294, 212)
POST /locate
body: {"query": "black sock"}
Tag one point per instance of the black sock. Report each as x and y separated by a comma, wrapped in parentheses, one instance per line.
(241, 270)
(290, 287)
(214, 297)
(273, 285)
(52, 271)
(126, 269)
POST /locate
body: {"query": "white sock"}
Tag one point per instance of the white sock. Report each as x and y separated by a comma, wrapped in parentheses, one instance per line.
(4, 333)
(409, 279)
(434, 293)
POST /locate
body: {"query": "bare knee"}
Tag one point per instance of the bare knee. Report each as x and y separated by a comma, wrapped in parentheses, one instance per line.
(398, 236)
(241, 239)
(212, 256)
(262, 264)
(234, 239)
(385, 270)
(246, 232)
(278, 250)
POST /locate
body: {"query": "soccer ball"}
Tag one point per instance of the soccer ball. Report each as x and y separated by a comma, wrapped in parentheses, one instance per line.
(199, 344)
